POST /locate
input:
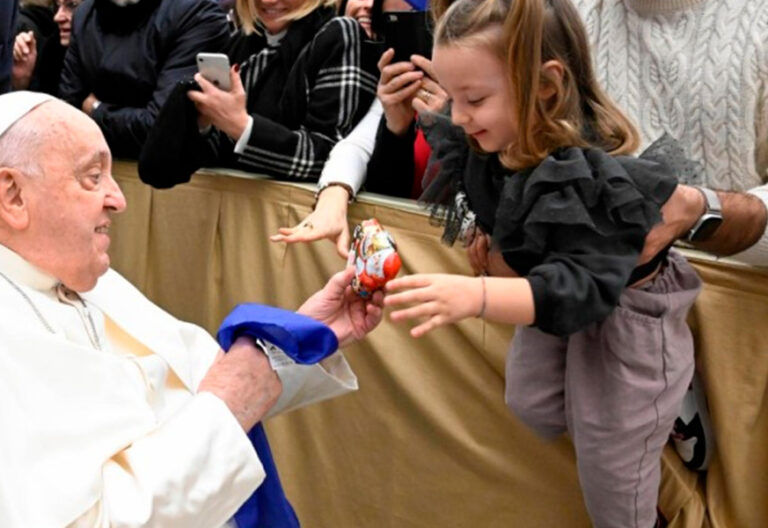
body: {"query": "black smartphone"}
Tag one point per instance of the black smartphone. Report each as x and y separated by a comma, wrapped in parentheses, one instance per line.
(409, 33)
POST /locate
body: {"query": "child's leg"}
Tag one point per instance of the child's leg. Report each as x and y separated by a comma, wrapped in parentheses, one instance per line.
(535, 380)
(625, 381)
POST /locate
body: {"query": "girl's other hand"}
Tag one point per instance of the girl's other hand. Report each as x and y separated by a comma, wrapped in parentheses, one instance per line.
(437, 299)
(430, 97)
(223, 109)
(328, 220)
(484, 260)
(398, 85)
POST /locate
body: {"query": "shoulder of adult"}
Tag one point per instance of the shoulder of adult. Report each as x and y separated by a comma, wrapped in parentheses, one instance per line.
(185, 12)
(344, 30)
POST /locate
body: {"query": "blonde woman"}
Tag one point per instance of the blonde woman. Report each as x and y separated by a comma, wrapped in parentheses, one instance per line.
(302, 78)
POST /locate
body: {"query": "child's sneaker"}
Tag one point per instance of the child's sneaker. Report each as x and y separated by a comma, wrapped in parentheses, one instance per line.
(692, 433)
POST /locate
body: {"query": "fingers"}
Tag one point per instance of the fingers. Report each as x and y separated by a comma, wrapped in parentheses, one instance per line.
(234, 79)
(342, 242)
(22, 45)
(385, 59)
(408, 282)
(424, 64)
(396, 85)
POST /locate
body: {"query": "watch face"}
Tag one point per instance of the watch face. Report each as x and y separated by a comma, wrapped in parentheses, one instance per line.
(707, 227)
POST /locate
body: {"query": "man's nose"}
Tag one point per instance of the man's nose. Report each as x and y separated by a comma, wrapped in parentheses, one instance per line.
(114, 198)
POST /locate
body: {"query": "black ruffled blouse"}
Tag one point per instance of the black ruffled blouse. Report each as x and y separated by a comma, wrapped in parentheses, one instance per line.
(574, 226)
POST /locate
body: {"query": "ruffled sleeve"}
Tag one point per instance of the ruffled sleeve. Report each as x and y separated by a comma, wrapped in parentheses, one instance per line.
(575, 226)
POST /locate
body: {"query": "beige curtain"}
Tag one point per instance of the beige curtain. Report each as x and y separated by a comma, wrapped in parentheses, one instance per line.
(427, 440)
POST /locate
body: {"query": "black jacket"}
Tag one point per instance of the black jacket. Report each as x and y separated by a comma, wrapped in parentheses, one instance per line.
(131, 57)
(8, 12)
(304, 94)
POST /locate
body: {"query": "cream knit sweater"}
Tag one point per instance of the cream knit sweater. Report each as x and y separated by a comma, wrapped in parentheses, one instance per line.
(697, 69)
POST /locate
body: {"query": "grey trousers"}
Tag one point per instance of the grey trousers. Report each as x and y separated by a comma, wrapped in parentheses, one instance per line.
(616, 387)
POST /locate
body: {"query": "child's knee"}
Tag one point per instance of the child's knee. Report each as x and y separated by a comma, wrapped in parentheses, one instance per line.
(546, 418)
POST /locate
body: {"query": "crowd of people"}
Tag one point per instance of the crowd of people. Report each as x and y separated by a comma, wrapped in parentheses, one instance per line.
(569, 145)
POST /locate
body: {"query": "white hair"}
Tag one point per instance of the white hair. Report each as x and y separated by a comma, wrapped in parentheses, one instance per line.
(22, 146)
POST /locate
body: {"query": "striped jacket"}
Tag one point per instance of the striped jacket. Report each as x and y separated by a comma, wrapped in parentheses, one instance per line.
(304, 94)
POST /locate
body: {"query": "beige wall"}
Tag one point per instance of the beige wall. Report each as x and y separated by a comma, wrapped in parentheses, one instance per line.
(427, 440)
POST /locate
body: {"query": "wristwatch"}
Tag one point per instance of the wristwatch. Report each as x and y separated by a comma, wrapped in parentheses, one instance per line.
(706, 226)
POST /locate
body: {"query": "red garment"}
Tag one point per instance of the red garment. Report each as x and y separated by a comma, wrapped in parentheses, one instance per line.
(421, 153)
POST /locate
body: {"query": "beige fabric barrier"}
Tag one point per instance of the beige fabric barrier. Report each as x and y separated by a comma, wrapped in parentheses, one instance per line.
(427, 440)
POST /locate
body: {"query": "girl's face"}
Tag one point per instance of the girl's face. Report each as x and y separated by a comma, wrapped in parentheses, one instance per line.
(360, 10)
(272, 13)
(482, 102)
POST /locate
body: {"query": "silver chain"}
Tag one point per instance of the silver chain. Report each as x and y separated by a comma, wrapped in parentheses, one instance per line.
(93, 335)
(29, 301)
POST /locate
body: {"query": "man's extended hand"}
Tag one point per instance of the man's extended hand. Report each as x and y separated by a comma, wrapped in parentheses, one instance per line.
(245, 381)
(347, 314)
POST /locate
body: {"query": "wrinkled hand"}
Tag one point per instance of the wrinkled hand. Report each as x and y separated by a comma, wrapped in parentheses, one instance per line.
(223, 109)
(245, 381)
(349, 316)
(430, 98)
(328, 220)
(398, 85)
(438, 299)
(679, 214)
(24, 59)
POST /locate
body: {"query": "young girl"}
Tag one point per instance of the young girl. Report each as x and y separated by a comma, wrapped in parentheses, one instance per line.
(602, 349)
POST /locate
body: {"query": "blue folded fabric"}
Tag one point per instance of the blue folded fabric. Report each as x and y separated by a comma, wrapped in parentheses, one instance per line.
(304, 340)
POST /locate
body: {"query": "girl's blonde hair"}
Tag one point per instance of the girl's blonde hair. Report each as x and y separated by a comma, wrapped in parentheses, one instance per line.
(525, 34)
(248, 15)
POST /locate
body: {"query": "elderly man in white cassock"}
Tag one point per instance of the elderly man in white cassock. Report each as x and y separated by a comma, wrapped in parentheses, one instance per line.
(113, 412)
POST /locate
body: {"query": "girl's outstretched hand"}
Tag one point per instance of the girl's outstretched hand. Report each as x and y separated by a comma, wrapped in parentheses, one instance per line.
(437, 299)
(328, 220)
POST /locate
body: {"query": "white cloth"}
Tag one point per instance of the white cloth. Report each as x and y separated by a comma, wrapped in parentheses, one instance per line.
(100, 438)
(16, 105)
(348, 161)
(697, 69)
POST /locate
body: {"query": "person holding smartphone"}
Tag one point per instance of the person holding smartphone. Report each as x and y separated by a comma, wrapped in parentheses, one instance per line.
(302, 78)
(386, 133)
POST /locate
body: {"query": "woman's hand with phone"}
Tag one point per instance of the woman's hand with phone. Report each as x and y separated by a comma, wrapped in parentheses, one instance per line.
(223, 109)
(430, 97)
(398, 85)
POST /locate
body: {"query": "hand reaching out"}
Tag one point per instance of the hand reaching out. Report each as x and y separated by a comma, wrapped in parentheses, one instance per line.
(437, 299)
(328, 220)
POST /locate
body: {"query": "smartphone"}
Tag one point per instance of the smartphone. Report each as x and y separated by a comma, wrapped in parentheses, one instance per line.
(409, 33)
(215, 68)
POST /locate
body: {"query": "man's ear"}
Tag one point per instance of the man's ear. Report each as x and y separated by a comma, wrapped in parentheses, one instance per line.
(552, 73)
(13, 206)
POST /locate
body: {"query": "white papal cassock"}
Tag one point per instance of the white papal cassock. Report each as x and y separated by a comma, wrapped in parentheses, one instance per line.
(104, 428)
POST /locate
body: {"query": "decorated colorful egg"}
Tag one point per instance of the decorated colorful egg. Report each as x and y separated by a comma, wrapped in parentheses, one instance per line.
(374, 255)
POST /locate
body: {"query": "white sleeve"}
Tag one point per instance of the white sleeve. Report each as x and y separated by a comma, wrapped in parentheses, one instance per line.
(307, 384)
(757, 255)
(244, 137)
(194, 470)
(348, 161)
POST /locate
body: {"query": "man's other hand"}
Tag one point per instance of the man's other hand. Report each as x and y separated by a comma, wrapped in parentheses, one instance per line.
(245, 381)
